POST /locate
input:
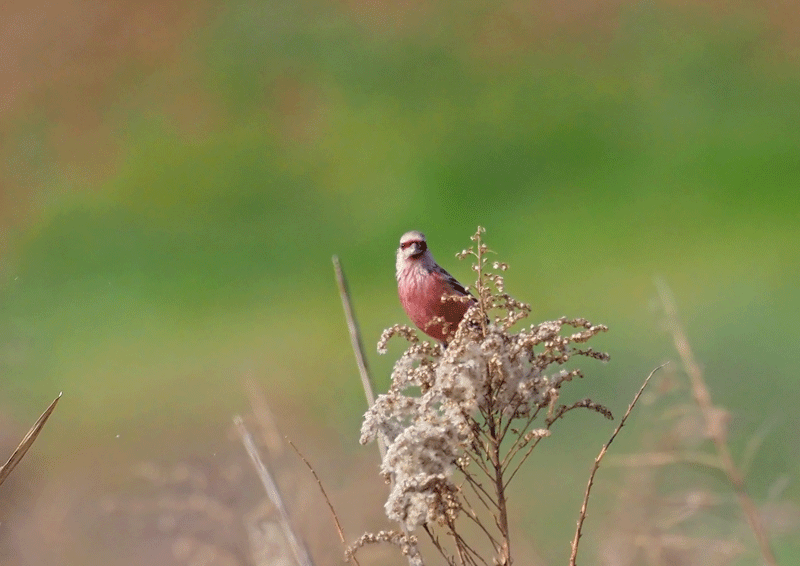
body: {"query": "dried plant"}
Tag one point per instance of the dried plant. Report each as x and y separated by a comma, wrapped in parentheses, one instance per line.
(27, 441)
(458, 422)
(682, 503)
(212, 509)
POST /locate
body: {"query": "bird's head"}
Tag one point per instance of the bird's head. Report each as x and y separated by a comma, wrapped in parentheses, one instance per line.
(412, 246)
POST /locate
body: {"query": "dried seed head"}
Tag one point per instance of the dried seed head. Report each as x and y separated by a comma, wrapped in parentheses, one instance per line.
(431, 418)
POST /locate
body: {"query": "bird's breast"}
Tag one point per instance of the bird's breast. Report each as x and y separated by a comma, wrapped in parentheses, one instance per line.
(421, 294)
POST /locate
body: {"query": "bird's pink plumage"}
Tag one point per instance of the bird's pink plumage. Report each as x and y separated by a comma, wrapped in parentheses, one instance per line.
(421, 293)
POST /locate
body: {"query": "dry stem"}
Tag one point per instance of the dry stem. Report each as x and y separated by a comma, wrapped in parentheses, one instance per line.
(582, 517)
(355, 341)
(325, 496)
(27, 441)
(355, 333)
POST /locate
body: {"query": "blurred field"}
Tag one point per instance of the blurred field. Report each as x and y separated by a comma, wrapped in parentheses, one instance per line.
(175, 177)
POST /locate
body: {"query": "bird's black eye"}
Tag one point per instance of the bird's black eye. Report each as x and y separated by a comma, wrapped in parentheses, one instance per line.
(404, 245)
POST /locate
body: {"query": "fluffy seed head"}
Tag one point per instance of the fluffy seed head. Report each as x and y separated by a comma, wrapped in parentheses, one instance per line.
(434, 420)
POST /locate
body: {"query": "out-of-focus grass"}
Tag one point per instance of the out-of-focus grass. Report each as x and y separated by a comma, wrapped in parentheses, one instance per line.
(667, 146)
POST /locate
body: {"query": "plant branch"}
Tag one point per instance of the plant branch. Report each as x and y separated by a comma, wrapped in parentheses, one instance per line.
(518, 443)
(499, 485)
(435, 541)
(470, 511)
(478, 489)
(582, 517)
(325, 496)
(522, 460)
(476, 458)
(467, 553)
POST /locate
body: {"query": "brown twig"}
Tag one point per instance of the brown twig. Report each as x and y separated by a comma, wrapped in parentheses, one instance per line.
(521, 461)
(478, 488)
(703, 398)
(582, 517)
(467, 554)
(27, 441)
(469, 510)
(519, 442)
(271, 487)
(435, 541)
(549, 421)
(504, 558)
(325, 495)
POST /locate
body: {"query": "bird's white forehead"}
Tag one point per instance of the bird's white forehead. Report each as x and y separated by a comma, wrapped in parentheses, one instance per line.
(412, 236)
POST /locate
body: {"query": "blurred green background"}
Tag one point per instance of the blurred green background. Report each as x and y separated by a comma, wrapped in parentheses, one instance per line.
(176, 176)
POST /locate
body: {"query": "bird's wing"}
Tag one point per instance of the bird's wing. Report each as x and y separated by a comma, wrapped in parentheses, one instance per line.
(451, 281)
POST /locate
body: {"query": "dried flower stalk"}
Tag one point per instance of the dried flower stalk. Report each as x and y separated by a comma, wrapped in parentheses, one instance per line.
(458, 421)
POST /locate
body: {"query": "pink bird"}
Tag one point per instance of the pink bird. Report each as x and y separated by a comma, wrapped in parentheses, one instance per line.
(422, 284)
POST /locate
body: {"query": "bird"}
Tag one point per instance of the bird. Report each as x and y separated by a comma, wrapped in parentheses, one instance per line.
(423, 286)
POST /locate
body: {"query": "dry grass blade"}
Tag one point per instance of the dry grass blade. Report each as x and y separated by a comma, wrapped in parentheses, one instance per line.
(576, 540)
(355, 340)
(299, 550)
(355, 333)
(26, 442)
